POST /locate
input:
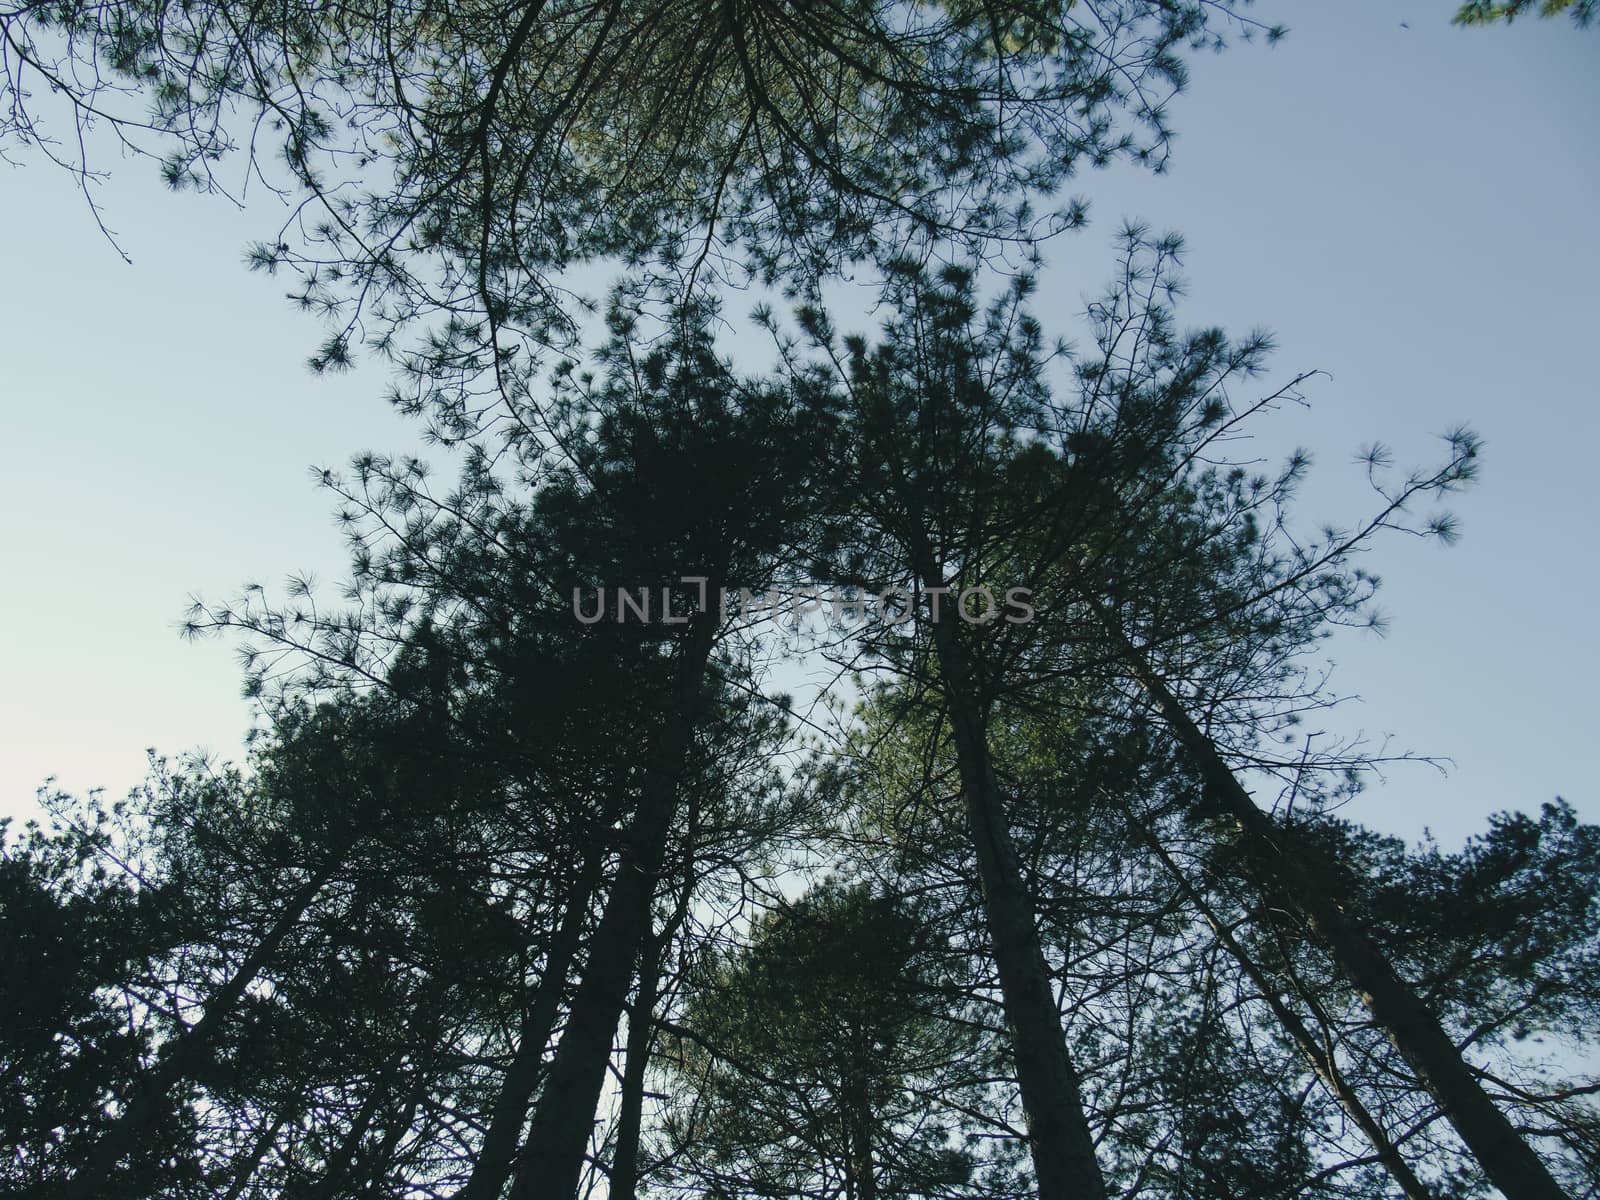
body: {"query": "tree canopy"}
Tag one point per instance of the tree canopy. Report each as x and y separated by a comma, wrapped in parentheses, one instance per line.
(444, 164)
(537, 885)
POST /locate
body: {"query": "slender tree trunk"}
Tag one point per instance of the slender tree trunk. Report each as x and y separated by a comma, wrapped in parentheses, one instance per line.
(397, 1129)
(641, 1032)
(552, 1161)
(624, 1183)
(1294, 882)
(420, 1030)
(1058, 1130)
(498, 1153)
(258, 1151)
(178, 1057)
(338, 1170)
(1321, 1059)
(862, 1165)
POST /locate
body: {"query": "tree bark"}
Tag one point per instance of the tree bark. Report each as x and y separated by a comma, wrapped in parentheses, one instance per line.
(1058, 1131)
(624, 1183)
(641, 1032)
(551, 1163)
(862, 1164)
(498, 1153)
(1293, 880)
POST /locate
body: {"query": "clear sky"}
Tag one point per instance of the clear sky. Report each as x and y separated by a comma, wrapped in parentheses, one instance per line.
(1409, 206)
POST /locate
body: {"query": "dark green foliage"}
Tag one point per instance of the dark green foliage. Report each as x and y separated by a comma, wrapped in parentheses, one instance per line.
(1500, 924)
(823, 1058)
(1501, 937)
(69, 927)
(393, 956)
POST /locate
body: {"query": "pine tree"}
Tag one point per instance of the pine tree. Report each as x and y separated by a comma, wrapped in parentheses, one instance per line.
(1115, 503)
(818, 1059)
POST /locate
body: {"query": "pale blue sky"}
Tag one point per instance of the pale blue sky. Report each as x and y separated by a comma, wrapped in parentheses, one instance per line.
(1409, 209)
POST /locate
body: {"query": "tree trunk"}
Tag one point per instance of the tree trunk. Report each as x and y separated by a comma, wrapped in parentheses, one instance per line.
(498, 1153)
(1058, 1131)
(258, 1151)
(397, 1129)
(641, 1032)
(1294, 882)
(624, 1184)
(1320, 1058)
(338, 1170)
(419, 1032)
(552, 1161)
(862, 1165)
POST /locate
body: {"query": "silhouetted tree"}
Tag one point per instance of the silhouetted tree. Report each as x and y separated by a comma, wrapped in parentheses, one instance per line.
(665, 479)
(72, 928)
(821, 1059)
(1117, 504)
(489, 836)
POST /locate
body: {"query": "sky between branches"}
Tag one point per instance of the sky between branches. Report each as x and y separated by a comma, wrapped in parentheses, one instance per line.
(1407, 205)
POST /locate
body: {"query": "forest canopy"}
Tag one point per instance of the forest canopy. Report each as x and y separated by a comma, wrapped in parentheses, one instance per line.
(540, 879)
